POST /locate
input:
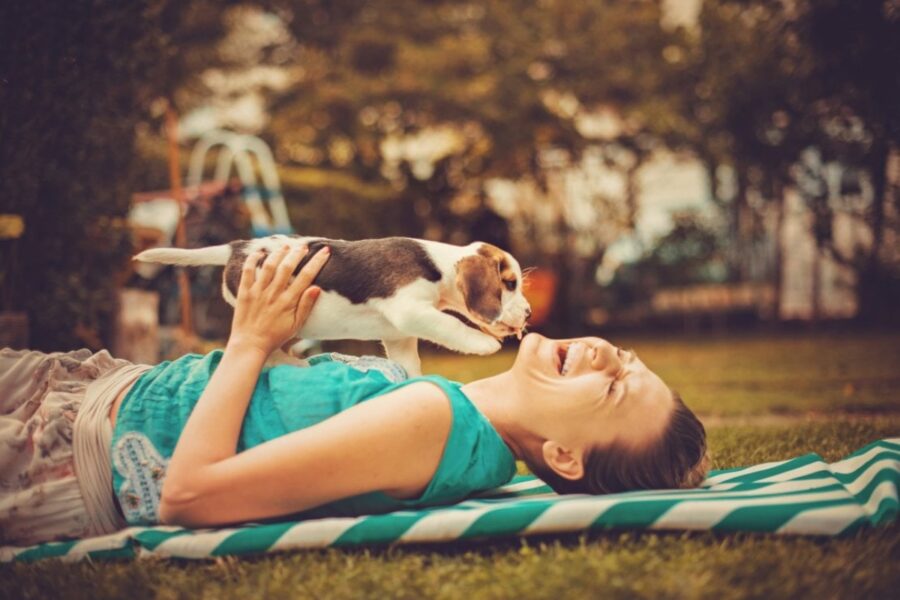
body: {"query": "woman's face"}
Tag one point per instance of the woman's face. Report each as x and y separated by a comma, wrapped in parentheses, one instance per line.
(586, 393)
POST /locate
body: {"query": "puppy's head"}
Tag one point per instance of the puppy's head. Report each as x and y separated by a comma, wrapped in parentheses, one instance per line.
(490, 282)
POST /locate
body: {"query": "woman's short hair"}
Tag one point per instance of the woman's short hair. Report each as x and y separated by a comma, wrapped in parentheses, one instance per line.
(678, 459)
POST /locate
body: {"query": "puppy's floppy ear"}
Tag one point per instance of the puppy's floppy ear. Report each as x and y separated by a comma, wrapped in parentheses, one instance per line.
(478, 278)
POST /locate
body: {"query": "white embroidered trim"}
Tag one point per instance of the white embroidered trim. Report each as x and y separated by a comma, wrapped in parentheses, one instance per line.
(389, 368)
(143, 469)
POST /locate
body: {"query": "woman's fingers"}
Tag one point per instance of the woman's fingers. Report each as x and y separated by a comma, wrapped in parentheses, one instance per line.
(286, 267)
(306, 303)
(267, 273)
(248, 272)
(309, 271)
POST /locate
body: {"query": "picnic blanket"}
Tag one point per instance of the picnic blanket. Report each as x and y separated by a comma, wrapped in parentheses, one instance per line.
(804, 495)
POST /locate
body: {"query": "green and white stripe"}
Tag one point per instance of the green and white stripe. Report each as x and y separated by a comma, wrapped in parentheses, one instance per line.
(804, 495)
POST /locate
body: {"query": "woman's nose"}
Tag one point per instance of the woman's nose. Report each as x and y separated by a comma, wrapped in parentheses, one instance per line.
(607, 358)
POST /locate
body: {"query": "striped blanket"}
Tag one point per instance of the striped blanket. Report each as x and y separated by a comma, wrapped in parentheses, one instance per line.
(804, 495)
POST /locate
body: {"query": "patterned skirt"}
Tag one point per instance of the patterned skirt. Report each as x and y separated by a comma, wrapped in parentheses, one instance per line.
(55, 474)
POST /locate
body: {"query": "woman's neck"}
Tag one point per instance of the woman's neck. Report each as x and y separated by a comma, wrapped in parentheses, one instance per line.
(495, 398)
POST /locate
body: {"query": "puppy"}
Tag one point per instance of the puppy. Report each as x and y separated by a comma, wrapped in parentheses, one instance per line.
(392, 289)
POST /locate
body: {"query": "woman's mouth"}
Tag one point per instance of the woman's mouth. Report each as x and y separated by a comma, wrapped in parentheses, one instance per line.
(565, 357)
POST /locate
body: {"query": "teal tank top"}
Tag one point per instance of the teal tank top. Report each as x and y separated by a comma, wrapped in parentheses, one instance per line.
(288, 398)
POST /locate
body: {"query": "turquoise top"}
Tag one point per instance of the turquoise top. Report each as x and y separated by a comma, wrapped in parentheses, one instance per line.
(288, 398)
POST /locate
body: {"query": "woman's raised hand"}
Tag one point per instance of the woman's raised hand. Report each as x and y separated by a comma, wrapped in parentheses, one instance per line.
(271, 307)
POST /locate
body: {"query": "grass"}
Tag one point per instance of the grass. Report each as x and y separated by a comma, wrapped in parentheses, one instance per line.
(613, 565)
(743, 381)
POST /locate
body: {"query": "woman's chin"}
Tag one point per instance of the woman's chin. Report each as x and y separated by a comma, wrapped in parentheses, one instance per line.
(529, 343)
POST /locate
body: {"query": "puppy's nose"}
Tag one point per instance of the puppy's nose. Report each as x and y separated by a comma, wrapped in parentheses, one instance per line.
(527, 312)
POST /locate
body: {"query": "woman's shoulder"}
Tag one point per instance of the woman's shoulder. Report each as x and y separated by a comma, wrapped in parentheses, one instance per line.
(433, 390)
(440, 393)
(474, 455)
(421, 394)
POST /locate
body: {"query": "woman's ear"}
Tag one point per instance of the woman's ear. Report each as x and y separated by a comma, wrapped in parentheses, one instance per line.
(564, 462)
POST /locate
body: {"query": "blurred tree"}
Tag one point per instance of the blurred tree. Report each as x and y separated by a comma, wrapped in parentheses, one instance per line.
(744, 116)
(71, 75)
(402, 111)
(772, 80)
(438, 98)
(856, 100)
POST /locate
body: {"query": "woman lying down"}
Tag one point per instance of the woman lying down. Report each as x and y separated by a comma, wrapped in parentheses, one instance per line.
(90, 444)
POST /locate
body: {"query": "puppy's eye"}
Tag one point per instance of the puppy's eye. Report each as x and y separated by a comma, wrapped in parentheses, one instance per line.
(510, 284)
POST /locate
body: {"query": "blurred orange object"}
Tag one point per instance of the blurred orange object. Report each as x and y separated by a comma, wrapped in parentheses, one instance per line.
(540, 291)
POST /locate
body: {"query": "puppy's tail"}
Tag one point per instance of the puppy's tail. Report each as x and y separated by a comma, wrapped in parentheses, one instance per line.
(212, 255)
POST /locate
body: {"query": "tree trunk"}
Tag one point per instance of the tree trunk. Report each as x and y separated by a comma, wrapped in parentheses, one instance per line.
(737, 256)
(778, 254)
(871, 300)
(815, 294)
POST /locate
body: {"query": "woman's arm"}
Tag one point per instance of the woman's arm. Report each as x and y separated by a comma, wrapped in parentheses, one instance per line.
(392, 443)
(270, 308)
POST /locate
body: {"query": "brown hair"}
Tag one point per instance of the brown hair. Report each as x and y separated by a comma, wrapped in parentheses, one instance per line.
(678, 459)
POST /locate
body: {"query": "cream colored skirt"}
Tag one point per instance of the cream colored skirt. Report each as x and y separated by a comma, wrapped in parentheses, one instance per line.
(55, 471)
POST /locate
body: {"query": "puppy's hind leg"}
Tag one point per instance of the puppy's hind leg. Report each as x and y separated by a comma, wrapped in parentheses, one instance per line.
(406, 352)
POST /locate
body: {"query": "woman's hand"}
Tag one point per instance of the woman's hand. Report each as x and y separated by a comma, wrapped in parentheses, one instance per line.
(270, 307)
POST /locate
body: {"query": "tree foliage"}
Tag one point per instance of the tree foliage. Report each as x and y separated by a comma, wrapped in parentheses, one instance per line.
(507, 80)
(777, 93)
(70, 75)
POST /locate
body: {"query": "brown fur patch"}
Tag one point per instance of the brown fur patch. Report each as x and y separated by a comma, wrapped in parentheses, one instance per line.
(507, 274)
(478, 278)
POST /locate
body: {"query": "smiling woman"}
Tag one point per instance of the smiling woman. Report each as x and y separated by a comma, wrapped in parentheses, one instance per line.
(218, 439)
(589, 417)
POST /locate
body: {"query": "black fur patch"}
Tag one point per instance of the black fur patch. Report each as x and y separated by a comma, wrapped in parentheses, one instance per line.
(232, 272)
(357, 270)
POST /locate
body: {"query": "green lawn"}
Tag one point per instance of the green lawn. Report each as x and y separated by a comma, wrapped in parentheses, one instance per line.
(804, 380)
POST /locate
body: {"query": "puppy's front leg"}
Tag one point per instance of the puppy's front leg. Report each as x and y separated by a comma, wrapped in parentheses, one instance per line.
(406, 352)
(282, 357)
(426, 322)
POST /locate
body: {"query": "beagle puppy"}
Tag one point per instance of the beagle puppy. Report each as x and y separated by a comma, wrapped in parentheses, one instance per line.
(397, 290)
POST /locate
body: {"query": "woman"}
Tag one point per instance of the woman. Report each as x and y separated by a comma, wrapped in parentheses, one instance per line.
(214, 440)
